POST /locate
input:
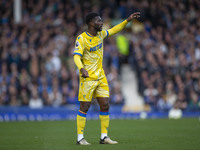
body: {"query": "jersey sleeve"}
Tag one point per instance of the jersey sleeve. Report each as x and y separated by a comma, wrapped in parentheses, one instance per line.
(117, 28)
(78, 62)
(79, 47)
(104, 34)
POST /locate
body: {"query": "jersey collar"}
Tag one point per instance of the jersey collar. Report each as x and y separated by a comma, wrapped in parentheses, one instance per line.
(89, 34)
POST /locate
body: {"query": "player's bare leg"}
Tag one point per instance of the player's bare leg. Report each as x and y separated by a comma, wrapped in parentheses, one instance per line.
(104, 117)
(84, 106)
(81, 120)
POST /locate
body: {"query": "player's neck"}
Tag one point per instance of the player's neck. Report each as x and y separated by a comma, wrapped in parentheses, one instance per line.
(93, 32)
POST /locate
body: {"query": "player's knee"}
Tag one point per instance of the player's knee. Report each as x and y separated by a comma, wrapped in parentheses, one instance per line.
(106, 107)
(84, 107)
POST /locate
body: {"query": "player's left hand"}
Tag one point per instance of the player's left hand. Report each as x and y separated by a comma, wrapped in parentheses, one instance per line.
(132, 16)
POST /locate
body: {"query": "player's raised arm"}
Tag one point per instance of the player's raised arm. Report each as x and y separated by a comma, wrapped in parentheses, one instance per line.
(120, 26)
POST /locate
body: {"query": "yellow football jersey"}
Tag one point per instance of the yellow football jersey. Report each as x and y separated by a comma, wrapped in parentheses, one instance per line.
(91, 49)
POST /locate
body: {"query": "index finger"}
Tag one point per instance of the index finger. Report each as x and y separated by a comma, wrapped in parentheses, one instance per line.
(136, 13)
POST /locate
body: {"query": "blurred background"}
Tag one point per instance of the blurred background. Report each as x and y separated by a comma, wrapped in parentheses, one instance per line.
(152, 66)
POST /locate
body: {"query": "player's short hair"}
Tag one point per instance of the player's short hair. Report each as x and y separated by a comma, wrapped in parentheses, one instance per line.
(90, 16)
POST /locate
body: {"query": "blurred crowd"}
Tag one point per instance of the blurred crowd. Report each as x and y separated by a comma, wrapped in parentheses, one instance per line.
(36, 64)
(167, 55)
(36, 55)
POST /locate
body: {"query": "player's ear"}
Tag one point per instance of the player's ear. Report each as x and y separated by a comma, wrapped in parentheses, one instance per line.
(91, 23)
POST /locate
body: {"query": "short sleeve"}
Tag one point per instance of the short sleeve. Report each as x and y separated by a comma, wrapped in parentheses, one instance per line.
(104, 34)
(79, 46)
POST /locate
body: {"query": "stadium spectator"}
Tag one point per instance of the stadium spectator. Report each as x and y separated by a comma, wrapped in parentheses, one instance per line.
(194, 101)
(150, 95)
(72, 98)
(55, 97)
(23, 97)
(35, 101)
(116, 94)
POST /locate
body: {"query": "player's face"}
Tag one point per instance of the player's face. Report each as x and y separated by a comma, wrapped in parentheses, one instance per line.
(98, 23)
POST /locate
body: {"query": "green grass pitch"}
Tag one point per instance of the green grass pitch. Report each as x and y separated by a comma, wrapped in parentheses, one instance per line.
(149, 134)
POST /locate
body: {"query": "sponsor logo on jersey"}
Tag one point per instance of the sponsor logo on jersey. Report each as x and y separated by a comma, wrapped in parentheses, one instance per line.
(97, 47)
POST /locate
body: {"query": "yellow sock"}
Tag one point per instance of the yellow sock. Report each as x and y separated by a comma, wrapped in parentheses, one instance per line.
(104, 118)
(81, 120)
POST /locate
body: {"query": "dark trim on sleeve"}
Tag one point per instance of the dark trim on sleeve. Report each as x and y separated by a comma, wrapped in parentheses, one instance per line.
(78, 54)
(107, 33)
